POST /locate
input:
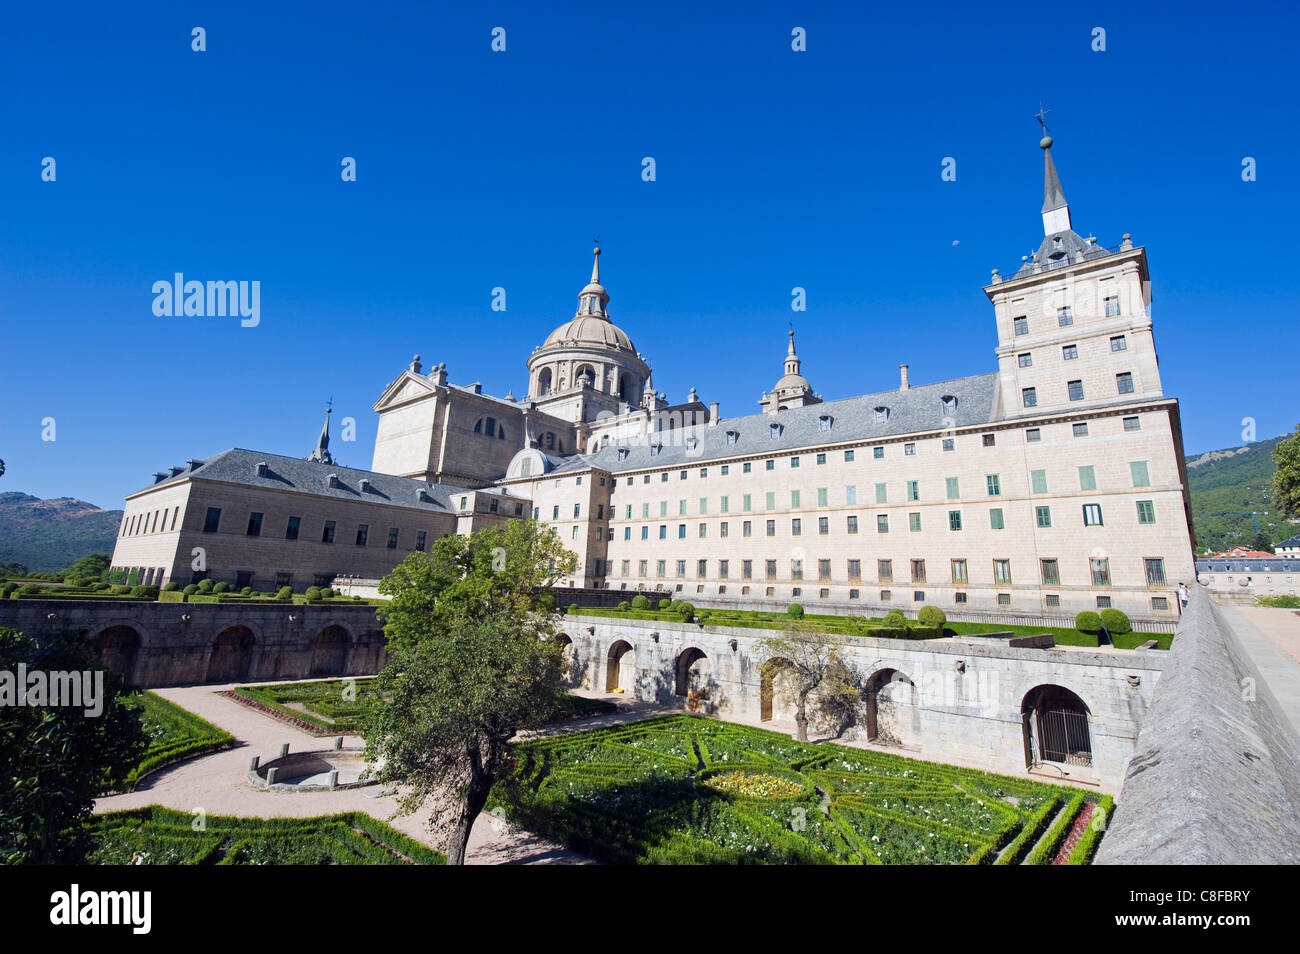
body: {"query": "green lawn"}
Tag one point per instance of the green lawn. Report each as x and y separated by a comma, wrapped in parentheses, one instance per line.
(174, 734)
(161, 836)
(683, 790)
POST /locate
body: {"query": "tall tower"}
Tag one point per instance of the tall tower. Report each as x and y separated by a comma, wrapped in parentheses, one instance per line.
(792, 389)
(1074, 321)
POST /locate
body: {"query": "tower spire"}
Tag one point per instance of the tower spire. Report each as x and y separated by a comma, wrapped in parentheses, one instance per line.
(322, 451)
(593, 299)
(1056, 212)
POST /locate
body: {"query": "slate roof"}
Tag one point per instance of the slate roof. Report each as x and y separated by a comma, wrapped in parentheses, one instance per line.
(852, 420)
(239, 466)
(1289, 542)
(1274, 564)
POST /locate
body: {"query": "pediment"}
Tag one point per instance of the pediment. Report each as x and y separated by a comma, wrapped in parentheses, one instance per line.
(409, 387)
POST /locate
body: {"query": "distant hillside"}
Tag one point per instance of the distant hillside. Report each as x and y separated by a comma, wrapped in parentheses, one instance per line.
(48, 535)
(1234, 479)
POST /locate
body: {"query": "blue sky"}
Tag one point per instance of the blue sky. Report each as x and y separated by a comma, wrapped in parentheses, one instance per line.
(478, 169)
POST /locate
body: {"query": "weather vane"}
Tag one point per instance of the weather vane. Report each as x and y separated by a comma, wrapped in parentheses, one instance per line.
(1041, 116)
(329, 405)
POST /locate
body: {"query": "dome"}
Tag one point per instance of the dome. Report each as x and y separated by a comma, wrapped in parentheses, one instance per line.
(795, 381)
(590, 331)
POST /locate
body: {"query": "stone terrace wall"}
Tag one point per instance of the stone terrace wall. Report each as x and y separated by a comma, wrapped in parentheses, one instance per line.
(1216, 776)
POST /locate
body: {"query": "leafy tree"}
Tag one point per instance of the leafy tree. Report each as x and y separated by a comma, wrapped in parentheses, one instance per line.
(475, 661)
(814, 662)
(1286, 479)
(55, 760)
(92, 565)
(13, 570)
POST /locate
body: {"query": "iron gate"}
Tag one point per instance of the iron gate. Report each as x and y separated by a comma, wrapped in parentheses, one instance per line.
(1063, 737)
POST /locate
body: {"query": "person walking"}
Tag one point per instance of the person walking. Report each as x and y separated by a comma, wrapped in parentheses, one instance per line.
(1183, 594)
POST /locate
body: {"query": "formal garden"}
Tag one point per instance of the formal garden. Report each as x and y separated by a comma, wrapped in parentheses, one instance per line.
(686, 790)
(162, 836)
(173, 734)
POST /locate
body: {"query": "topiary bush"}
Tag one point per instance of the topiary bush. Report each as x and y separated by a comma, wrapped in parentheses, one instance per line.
(624, 606)
(205, 586)
(675, 606)
(312, 594)
(170, 587)
(932, 616)
(190, 590)
(664, 604)
(687, 611)
(118, 589)
(246, 591)
(220, 588)
(640, 602)
(795, 610)
(895, 618)
(1116, 622)
(573, 608)
(1087, 622)
(327, 593)
(703, 616)
(285, 593)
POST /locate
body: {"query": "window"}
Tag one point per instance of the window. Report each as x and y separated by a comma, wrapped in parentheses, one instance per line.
(645, 533)
(746, 467)
(641, 566)
(770, 500)
(1124, 382)
(724, 504)
(681, 531)
(796, 527)
(882, 523)
(1043, 515)
(254, 525)
(959, 571)
(848, 457)
(774, 431)
(1038, 481)
(794, 462)
(794, 500)
(1002, 571)
(989, 440)
(1075, 390)
(555, 511)
(850, 495)
(995, 519)
(663, 531)
(918, 571)
(954, 519)
(704, 471)
(949, 444)
(1081, 429)
(959, 597)
(951, 486)
(1138, 468)
(291, 531)
(796, 569)
(661, 568)
(681, 475)
(1112, 307)
(769, 465)
(1021, 325)
(1155, 568)
(1087, 478)
(1032, 435)
(681, 568)
(823, 525)
(746, 528)
(1025, 360)
(702, 568)
(1146, 511)
(878, 453)
(1100, 569)
(1132, 424)
(1069, 352)
(855, 569)
(747, 569)
(722, 528)
(363, 531)
(726, 469)
(882, 415)
(885, 571)
(949, 404)
(909, 449)
(821, 496)
(771, 528)
(420, 537)
(392, 538)
(327, 533)
(769, 568)
(823, 569)
(914, 522)
(913, 490)
(681, 509)
(882, 493)
(627, 533)
(1092, 515)
(703, 529)
(724, 568)
(1159, 602)
(1004, 599)
(745, 502)
(853, 524)
(1118, 342)
(886, 596)
(1064, 317)
(212, 520)
(1029, 397)
(994, 485)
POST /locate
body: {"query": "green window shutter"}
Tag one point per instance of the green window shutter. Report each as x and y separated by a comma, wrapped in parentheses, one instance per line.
(1039, 479)
(1140, 476)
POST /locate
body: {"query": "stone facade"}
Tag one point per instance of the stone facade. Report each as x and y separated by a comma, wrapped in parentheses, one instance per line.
(960, 700)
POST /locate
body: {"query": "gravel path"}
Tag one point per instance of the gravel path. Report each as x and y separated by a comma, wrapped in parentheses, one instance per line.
(218, 784)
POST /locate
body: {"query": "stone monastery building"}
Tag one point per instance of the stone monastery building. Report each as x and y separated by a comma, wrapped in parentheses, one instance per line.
(1051, 484)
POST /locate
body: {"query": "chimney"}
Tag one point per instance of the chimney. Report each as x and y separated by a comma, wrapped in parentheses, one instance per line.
(713, 413)
(902, 372)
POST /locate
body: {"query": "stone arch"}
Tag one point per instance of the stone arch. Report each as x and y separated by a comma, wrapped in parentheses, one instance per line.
(329, 652)
(231, 659)
(627, 386)
(119, 648)
(569, 654)
(586, 371)
(773, 675)
(892, 713)
(620, 667)
(544, 380)
(1056, 726)
(691, 671)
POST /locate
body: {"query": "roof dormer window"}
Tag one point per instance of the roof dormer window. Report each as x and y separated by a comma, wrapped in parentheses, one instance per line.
(622, 453)
(655, 449)
(949, 403)
(824, 422)
(882, 415)
(774, 431)
(733, 436)
(691, 443)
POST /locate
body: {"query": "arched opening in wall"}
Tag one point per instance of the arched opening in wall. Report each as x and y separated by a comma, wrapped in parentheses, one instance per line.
(775, 695)
(692, 671)
(626, 387)
(620, 667)
(329, 652)
(1055, 723)
(585, 376)
(891, 712)
(119, 647)
(544, 382)
(569, 666)
(231, 659)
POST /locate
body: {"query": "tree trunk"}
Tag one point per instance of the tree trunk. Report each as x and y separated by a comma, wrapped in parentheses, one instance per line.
(476, 794)
(801, 719)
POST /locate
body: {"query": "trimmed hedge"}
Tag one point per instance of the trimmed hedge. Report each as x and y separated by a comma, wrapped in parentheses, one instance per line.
(1115, 621)
(1087, 622)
